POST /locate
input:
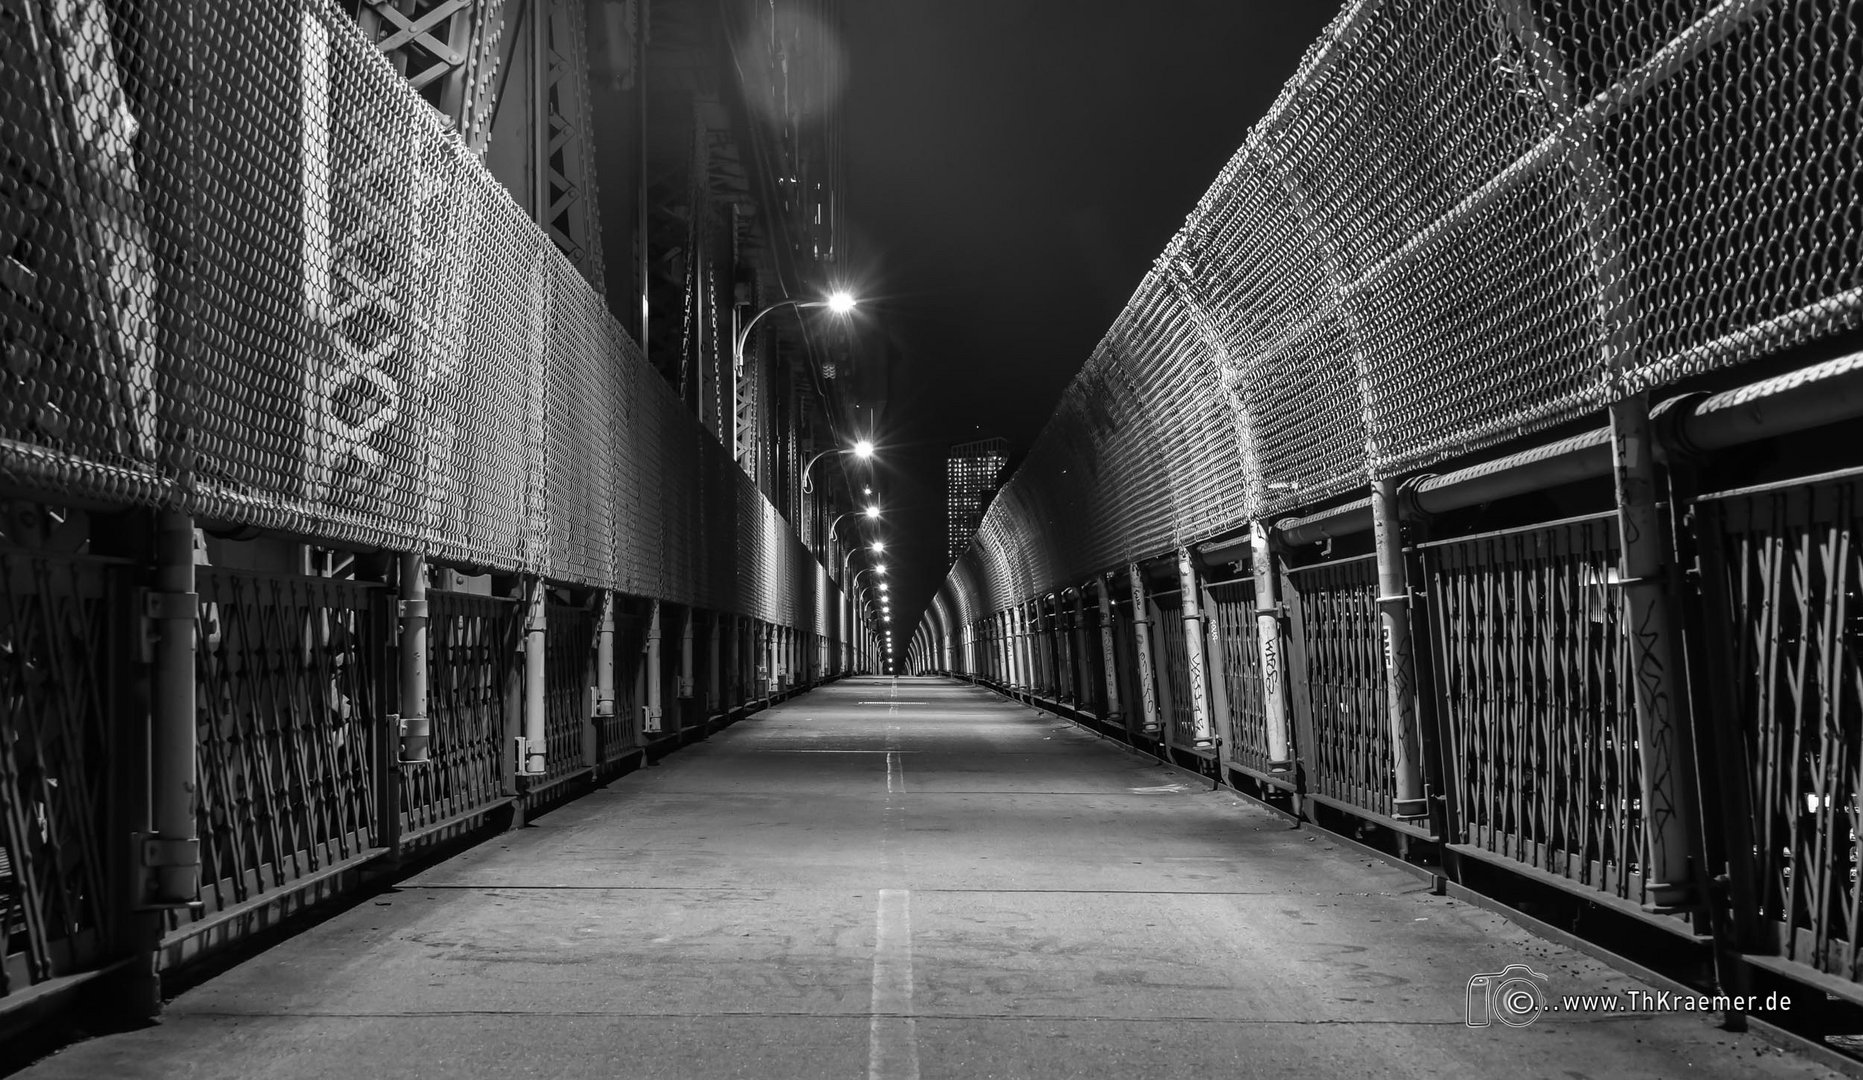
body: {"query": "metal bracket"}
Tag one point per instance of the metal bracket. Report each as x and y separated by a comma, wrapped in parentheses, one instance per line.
(416, 738)
(523, 758)
(166, 606)
(156, 854)
(599, 707)
(161, 852)
(650, 718)
(410, 609)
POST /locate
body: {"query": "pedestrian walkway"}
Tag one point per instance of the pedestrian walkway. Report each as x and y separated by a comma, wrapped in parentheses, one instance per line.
(895, 879)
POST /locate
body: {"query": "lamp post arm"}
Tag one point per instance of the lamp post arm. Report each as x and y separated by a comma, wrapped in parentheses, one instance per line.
(808, 487)
(743, 334)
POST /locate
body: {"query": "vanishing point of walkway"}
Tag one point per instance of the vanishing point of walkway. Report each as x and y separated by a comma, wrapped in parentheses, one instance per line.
(895, 879)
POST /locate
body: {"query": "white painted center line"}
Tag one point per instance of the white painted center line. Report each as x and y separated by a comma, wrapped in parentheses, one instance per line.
(892, 1041)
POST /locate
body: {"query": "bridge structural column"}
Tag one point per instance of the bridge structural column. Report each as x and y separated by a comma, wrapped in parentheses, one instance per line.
(1109, 656)
(170, 854)
(1218, 670)
(653, 711)
(1268, 630)
(992, 647)
(1024, 639)
(1663, 736)
(1409, 800)
(1018, 643)
(1048, 619)
(415, 726)
(1013, 626)
(1141, 633)
(603, 706)
(688, 663)
(1192, 610)
(759, 658)
(1083, 670)
(535, 740)
(714, 664)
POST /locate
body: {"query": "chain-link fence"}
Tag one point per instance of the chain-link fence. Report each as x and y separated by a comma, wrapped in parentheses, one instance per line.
(1461, 222)
(248, 273)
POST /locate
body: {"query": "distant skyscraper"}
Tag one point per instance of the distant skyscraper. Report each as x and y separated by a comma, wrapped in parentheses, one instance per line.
(970, 475)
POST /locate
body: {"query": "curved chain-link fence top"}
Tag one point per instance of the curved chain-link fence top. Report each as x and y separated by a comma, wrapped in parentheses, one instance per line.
(282, 292)
(1462, 221)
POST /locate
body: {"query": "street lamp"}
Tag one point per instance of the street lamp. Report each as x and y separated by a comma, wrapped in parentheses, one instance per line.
(871, 512)
(862, 450)
(840, 303)
(876, 547)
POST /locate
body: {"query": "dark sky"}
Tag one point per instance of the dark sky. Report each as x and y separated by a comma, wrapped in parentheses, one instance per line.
(1013, 168)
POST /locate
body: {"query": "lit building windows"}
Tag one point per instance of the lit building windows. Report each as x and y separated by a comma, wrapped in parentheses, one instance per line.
(971, 471)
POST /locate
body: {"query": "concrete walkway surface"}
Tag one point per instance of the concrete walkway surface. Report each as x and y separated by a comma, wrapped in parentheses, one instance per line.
(903, 878)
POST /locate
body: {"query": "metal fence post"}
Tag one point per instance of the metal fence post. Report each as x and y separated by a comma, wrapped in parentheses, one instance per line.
(536, 736)
(688, 668)
(653, 712)
(1025, 646)
(169, 855)
(137, 990)
(1083, 668)
(714, 666)
(1408, 798)
(1663, 737)
(1217, 665)
(604, 705)
(415, 726)
(1192, 609)
(1141, 627)
(1109, 656)
(1268, 630)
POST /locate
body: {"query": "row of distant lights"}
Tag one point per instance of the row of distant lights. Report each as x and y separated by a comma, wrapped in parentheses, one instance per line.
(841, 303)
(864, 451)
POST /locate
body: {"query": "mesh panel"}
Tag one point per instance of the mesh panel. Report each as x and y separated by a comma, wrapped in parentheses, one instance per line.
(1738, 191)
(580, 455)
(1462, 221)
(245, 271)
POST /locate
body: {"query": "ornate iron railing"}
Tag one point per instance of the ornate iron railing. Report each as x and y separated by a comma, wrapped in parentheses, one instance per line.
(1340, 681)
(473, 672)
(289, 689)
(1534, 676)
(62, 621)
(570, 658)
(1785, 584)
(1245, 727)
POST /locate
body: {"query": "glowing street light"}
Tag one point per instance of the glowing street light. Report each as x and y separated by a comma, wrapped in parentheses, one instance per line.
(871, 512)
(841, 303)
(862, 450)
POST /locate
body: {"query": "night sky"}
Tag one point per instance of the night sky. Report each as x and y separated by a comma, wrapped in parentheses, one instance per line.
(1013, 168)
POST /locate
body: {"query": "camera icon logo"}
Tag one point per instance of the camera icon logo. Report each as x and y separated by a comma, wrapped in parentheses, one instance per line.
(1515, 995)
